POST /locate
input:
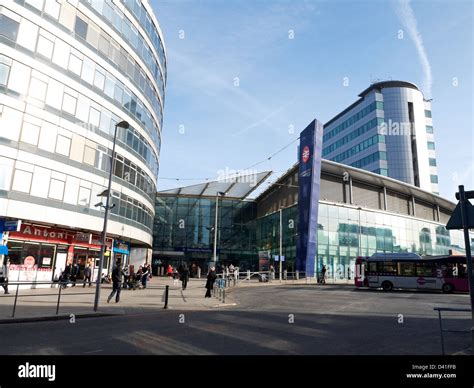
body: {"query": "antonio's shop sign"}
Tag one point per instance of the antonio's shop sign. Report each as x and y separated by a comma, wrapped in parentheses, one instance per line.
(57, 236)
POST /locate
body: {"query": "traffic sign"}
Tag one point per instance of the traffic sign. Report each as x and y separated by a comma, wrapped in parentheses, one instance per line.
(455, 222)
(10, 225)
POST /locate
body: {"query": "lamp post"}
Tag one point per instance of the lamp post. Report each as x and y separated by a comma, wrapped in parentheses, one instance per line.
(281, 242)
(107, 207)
(215, 223)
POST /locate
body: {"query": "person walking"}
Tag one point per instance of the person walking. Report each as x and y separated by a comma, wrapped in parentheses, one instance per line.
(87, 275)
(184, 277)
(323, 275)
(144, 275)
(4, 269)
(117, 273)
(169, 271)
(74, 273)
(211, 278)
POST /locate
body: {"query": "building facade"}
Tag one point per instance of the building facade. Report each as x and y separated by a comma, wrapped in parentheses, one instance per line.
(69, 72)
(360, 213)
(389, 131)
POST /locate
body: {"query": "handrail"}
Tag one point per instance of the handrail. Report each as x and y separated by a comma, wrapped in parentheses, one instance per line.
(441, 330)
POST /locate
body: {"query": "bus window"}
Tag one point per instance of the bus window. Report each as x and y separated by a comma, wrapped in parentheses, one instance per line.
(406, 268)
(373, 267)
(426, 269)
(387, 267)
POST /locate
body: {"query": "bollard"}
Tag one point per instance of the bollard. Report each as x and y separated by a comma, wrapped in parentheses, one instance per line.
(285, 274)
(166, 297)
(297, 275)
(59, 299)
(223, 297)
(16, 297)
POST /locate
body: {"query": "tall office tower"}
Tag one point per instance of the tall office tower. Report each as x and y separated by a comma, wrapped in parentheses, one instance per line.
(389, 131)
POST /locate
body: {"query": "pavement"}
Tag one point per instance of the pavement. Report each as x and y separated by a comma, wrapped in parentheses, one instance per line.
(41, 303)
(291, 319)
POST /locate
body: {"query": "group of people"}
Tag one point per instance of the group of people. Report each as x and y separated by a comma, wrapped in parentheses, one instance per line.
(182, 273)
(125, 277)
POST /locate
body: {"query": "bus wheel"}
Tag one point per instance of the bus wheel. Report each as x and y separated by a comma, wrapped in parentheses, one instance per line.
(387, 286)
(448, 288)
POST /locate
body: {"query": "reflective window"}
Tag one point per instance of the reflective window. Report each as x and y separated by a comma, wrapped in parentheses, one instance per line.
(19, 78)
(434, 178)
(99, 79)
(36, 3)
(88, 71)
(4, 72)
(94, 117)
(432, 162)
(6, 172)
(52, 8)
(80, 27)
(8, 27)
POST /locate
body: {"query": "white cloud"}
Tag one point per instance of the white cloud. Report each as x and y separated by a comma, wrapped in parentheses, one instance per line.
(407, 17)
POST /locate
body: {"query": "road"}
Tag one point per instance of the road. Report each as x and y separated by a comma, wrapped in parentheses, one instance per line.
(294, 319)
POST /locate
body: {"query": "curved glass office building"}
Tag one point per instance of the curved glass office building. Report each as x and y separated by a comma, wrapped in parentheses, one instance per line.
(69, 72)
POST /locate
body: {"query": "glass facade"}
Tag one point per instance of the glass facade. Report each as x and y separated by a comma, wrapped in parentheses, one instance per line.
(346, 232)
(184, 231)
(69, 72)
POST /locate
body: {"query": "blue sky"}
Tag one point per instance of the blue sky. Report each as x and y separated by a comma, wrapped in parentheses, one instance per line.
(240, 89)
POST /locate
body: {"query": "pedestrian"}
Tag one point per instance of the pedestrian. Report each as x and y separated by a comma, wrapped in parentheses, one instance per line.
(116, 282)
(74, 273)
(175, 277)
(4, 269)
(184, 277)
(169, 271)
(87, 275)
(211, 278)
(323, 275)
(144, 275)
(199, 272)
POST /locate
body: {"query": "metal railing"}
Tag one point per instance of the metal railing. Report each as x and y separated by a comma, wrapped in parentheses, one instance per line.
(442, 330)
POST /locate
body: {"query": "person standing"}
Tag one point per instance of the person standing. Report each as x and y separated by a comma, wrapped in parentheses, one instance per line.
(4, 269)
(87, 275)
(211, 278)
(74, 273)
(184, 277)
(116, 282)
(169, 271)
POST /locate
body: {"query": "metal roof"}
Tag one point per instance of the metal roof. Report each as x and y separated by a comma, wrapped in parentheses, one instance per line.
(237, 186)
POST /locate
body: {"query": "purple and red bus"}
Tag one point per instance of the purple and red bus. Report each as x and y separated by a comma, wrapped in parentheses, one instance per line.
(411, 271)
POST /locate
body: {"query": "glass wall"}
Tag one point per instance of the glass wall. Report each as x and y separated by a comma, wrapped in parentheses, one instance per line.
(345, 233)
(184, 224)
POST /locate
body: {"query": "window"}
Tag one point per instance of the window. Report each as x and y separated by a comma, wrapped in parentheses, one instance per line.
(40, 183)
(22, 181)
(104, 40)
(88, 71)
(429, 129)
(406, 269)
(38, 4)
(431, 145)
(8, 27)
(47, 139)
(5, 64)
(379, 105)
(6, 172)
(61, 53)
(427, 113)
(432, 162)
(94, 117)
(99, 79)
(69, 104)
(56, 189)
(109, 87)
(80, 27)
(75, 64)
(27, 34)
(63, 145)
(30, 133)
(427, 269)
(434, 178)
(10, 122)
(38, 89)
(52, 8)
(19, 78)
(45, 47)
(83, 107)
(84, 196)
(89, 155)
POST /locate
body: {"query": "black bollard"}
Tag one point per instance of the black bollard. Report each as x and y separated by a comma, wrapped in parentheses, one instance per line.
(166, 297)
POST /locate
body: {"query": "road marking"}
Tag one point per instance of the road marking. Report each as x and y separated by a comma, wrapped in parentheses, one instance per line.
(225, 305)
(94, 351)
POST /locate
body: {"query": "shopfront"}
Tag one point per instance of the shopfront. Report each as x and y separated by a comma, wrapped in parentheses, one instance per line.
(40, 253)
(121, 252)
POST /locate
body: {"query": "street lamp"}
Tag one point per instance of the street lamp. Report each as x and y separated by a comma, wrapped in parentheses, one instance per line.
(281, 241)
(215, 224)
(107, 207)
